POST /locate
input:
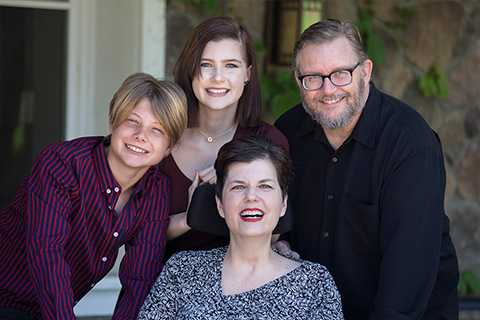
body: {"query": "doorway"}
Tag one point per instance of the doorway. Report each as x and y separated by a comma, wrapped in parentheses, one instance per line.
(32, 89)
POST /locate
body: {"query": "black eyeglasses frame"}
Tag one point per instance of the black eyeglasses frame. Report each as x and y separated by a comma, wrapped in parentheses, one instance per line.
(300, 78)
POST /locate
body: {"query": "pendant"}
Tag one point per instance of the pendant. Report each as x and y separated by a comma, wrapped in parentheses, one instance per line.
(209, 139)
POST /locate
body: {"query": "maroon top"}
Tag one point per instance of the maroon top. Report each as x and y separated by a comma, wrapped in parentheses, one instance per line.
(196, 240)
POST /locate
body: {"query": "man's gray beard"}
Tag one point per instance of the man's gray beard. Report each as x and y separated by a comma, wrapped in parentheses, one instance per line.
(350, 111)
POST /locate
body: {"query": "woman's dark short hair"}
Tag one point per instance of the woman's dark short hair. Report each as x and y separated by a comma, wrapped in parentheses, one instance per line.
(249, 110)
(248, 149)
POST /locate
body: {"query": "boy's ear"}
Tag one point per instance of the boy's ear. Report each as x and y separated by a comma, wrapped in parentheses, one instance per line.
(167, 152)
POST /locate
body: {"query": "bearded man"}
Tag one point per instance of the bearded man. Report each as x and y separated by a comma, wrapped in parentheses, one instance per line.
(368, 193)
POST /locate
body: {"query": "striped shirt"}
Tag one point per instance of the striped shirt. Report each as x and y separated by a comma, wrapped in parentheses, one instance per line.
(60, 235)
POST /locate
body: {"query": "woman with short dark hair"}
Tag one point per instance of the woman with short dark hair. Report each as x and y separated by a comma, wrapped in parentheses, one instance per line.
(247, 279)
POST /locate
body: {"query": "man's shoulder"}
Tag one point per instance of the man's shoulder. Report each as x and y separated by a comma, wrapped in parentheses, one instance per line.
(392, 108)
(403, 120)
(291, 119)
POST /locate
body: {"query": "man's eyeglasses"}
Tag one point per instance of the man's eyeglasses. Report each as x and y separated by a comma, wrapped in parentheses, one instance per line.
(340, 78)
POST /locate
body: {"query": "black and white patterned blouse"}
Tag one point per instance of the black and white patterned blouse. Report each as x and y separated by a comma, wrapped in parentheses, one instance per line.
(189, 287)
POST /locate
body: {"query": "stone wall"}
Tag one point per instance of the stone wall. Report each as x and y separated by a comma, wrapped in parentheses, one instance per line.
(446, 33)
(184, 16)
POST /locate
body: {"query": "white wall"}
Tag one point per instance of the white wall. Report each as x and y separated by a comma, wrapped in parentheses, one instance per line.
(119, 37)
(109, 40)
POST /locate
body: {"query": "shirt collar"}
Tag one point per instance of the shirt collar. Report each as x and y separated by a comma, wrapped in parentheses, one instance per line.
(365, 129)
(106, 177)
(309, 125)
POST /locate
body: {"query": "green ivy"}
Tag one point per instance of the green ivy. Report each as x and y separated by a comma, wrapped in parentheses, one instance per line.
(279, 92)
(372, 42)
(469, 284)
(210, 6)
(434, 83)
(401, 12)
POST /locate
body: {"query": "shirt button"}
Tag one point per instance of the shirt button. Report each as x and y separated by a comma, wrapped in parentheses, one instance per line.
(110, 207)
(115, 234)
(326, 235)
(104, 259)
(109, 191)
(330, 197)
(92, 285)
(117, 189)
(334, 159)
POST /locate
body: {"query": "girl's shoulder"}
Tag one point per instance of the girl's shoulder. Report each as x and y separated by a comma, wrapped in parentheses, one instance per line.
(264, 129)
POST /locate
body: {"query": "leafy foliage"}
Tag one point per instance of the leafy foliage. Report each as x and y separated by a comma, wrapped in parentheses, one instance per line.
(469, 284)
(279, 92)
(434, 83)
(402, 12)
(210, 6)
(372, 42)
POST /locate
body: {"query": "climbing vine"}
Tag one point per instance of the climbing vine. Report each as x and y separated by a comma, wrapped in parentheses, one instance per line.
(210, 6)
(373, 43)
(434, 83)
(469, 284)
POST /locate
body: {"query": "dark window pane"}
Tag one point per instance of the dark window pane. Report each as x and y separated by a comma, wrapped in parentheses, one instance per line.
(32, 89)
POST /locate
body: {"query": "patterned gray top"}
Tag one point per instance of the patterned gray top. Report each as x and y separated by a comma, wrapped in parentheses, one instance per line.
(189, 287)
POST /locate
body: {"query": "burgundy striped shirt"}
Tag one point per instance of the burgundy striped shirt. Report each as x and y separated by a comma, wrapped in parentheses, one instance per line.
(59, 236)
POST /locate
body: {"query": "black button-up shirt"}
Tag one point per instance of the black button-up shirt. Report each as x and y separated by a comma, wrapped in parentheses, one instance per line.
(372, 211)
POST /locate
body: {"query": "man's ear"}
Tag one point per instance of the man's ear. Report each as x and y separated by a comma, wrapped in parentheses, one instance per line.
(299, 83)
(219, 207)
(367, 68)
(284, 206)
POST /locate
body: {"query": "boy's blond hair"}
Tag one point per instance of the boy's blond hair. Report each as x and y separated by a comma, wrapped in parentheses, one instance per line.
(167, 99)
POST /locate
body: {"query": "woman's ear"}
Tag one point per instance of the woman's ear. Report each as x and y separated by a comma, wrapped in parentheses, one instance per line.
(249, 72)
(219, 207)
(284, 206)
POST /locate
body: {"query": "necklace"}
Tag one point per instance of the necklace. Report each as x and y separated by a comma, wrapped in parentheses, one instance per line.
(210, 138)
